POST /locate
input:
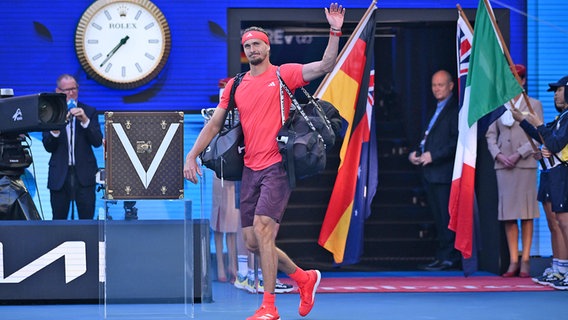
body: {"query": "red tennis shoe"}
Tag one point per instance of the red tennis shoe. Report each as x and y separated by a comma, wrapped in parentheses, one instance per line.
(265, 313)
(308, 292)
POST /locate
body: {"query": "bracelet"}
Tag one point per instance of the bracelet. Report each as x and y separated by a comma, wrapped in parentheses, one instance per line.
(336, 33)
(333, 29)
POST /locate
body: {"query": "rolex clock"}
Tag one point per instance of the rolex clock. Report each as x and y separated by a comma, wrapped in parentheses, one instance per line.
(123, 43)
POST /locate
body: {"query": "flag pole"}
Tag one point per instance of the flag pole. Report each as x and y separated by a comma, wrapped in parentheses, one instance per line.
(369, 10)
(464, 17)
(507, 54)
(513, 69)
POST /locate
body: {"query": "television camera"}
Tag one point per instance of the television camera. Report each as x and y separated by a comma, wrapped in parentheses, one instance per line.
(19, 116)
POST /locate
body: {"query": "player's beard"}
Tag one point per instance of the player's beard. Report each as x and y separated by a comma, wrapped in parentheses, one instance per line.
(257, 59)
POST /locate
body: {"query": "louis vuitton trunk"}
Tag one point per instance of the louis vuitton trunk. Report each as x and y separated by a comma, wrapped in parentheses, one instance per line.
(144, 155)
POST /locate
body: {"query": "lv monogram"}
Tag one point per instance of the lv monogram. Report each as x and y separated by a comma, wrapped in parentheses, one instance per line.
(146, 176)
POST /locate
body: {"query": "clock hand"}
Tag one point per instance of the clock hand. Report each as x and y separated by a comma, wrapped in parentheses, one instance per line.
(113, 51)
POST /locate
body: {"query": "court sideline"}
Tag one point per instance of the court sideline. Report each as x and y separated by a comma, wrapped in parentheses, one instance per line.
(345, 306)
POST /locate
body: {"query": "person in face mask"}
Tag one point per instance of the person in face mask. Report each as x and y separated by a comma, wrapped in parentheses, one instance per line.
(516, 171)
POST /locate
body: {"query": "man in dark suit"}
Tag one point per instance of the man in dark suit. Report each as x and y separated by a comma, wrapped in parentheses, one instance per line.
(435, 155)
(73, 166)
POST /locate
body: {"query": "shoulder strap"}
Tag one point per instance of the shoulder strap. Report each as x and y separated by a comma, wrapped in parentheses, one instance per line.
(551, 125)
(558, 158)
(232, 105)
(237, 80)
(290, 167)
(294, 101)
(313, 101)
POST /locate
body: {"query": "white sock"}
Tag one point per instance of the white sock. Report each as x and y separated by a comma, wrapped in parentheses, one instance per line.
(242, 265)
(555, 265)
(563, 266)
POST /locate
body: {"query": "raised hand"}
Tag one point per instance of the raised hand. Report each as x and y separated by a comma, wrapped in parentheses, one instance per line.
(335, 15)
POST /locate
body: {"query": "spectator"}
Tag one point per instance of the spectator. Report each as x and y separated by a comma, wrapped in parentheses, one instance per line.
(435, 155)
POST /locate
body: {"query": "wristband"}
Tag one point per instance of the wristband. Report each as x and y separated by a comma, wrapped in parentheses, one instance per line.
(334, 32)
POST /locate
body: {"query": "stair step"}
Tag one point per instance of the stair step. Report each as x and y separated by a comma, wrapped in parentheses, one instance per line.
(310, 195)
(315, 211)
(323, 179)
(308, 231)
(399, 212)
(392, 146)
(398, 195)
(393, 129)
(399, 179)
(400, 162)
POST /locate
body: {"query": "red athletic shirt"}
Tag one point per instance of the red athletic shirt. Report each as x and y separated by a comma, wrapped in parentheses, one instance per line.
(258, 101)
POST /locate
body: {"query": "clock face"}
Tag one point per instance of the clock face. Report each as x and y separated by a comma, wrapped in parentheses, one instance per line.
(123, 44)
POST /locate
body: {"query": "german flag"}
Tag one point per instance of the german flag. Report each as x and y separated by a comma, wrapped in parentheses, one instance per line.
(349, 87)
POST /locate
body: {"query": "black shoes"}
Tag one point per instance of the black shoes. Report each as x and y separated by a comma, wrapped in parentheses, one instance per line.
(131, 213)
(438, 265)
(433, 264)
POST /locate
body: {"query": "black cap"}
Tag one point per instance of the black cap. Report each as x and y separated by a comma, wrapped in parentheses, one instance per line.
(560, 83)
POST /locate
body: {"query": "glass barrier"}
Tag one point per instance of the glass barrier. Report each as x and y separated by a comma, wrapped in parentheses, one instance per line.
(231, 274)
(147, 260)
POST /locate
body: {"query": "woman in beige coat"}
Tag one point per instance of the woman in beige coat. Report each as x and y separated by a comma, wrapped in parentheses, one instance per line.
(516, 171)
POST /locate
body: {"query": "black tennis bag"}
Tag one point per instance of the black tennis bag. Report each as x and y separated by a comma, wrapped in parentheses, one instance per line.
(325, 118)
(303, 150)
(306, 136)
(225, 152)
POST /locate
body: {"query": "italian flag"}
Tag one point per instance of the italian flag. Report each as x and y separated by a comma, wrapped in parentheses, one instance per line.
(490, 83)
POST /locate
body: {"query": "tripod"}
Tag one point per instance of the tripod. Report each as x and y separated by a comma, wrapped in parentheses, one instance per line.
(16, 202)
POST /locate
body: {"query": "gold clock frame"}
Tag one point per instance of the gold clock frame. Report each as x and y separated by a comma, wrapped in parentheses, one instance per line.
(87, 16)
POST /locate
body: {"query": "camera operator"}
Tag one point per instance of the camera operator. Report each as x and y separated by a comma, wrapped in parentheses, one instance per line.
(16, 202)
(73, 166)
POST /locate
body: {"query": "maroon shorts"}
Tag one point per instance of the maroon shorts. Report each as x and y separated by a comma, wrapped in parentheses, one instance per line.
(264, 192)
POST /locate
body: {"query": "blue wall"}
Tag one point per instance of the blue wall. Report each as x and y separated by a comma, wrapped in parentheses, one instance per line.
(37, 39)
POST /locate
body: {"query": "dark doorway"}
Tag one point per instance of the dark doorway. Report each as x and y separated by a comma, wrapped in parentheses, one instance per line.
(410, 45)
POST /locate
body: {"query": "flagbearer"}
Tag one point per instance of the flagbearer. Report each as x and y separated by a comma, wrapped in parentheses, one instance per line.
(265, 189)
(554, 137)
(489, 85)
(435, 155)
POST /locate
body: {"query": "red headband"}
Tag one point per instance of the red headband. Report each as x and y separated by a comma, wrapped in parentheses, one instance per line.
(254, 35)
